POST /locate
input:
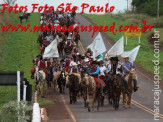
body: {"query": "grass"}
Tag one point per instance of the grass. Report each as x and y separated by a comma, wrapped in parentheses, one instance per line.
(145, 55)
(16, 52)
(44, 101)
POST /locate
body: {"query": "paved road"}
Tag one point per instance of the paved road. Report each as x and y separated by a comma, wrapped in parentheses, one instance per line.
(143, 99)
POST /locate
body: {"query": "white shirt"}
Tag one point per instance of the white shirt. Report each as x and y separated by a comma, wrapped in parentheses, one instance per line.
(60, 16)
(48, 38)
(41, 22)
(102, 69)
(71, 63)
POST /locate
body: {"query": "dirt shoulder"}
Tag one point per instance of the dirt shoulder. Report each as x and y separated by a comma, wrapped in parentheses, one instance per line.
(56, 112)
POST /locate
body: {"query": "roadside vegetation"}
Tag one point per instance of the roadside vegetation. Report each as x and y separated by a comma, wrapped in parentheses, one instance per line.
(145, 55)
(16, 52)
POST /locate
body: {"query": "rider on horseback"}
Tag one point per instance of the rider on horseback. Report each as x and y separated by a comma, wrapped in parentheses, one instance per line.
(116, 69)
(74, 68)
(94, 71)
(127, 66)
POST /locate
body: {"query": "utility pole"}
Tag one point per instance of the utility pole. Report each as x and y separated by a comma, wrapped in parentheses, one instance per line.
(158, 5)
(127, 5)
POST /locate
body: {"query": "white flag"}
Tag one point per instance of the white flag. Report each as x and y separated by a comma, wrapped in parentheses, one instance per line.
(131, 54)
(51, 50)
(116, 49)
(98, 46)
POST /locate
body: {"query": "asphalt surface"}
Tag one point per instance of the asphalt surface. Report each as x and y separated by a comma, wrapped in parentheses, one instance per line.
(143, 100)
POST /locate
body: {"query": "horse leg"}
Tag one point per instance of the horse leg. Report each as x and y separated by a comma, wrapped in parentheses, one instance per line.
(98, 101)
(118, 101)
(85, 105)
(84, 97)
(93, 102)
(88, 102)
(129, 100)
(70, 95)
(124, 100)
(102, 100)
(63, 88)
(41, 90)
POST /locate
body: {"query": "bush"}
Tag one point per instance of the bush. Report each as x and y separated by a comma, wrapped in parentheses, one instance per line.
(9, 112)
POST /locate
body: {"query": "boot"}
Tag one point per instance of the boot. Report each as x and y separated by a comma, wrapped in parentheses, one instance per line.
(135, 85)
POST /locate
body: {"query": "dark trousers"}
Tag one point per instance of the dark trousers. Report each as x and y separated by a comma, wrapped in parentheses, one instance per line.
(135, 83)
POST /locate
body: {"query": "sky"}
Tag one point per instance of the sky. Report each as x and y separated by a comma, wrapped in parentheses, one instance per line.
(120, 5)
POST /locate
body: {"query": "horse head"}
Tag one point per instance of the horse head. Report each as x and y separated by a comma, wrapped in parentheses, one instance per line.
(133, 74)
(85, 80)
(63, 75)
(115, 82)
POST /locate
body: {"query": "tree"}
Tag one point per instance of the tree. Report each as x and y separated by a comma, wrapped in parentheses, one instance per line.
(9, 1)
(148, 6)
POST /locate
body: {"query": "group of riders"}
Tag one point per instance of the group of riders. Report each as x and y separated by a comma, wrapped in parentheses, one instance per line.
(101, 69)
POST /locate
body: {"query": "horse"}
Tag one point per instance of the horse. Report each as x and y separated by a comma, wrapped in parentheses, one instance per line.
(40, 80)
(60, 47)
(77, 39)
(92, 90)
(129, 78)
(72, 82)
(62, 81)
(83, 87)
(106, 89)
(116, 89)
(68, 50)
(25, 16)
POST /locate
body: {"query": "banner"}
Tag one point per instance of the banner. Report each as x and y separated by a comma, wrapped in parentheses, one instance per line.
(51, 50)
(98, 46)
(116, 49)
(131, 54)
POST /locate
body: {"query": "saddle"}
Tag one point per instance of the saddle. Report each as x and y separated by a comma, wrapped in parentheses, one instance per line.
(98, 82)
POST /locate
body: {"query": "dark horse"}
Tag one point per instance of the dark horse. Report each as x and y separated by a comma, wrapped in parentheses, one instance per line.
(116, 87)
(62, 81)
(73, 86)
(25, 16)
(106, 89)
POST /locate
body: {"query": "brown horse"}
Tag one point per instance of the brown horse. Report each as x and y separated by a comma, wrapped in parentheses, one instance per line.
(72, 82)
(106, 89)
(92, 91)
(116, 87)
(25, 16)
(77, 39)
(60, 47)
(68, 50)
(129, 78)
(61, 43)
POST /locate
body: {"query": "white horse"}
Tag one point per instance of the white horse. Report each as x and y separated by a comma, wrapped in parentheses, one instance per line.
(40, 79)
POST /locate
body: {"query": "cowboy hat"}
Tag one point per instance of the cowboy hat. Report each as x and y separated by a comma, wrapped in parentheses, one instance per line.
(99, 60)
(57, 21)
(86, 60)
(69, 37)
(126, 56)
(74, 64)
